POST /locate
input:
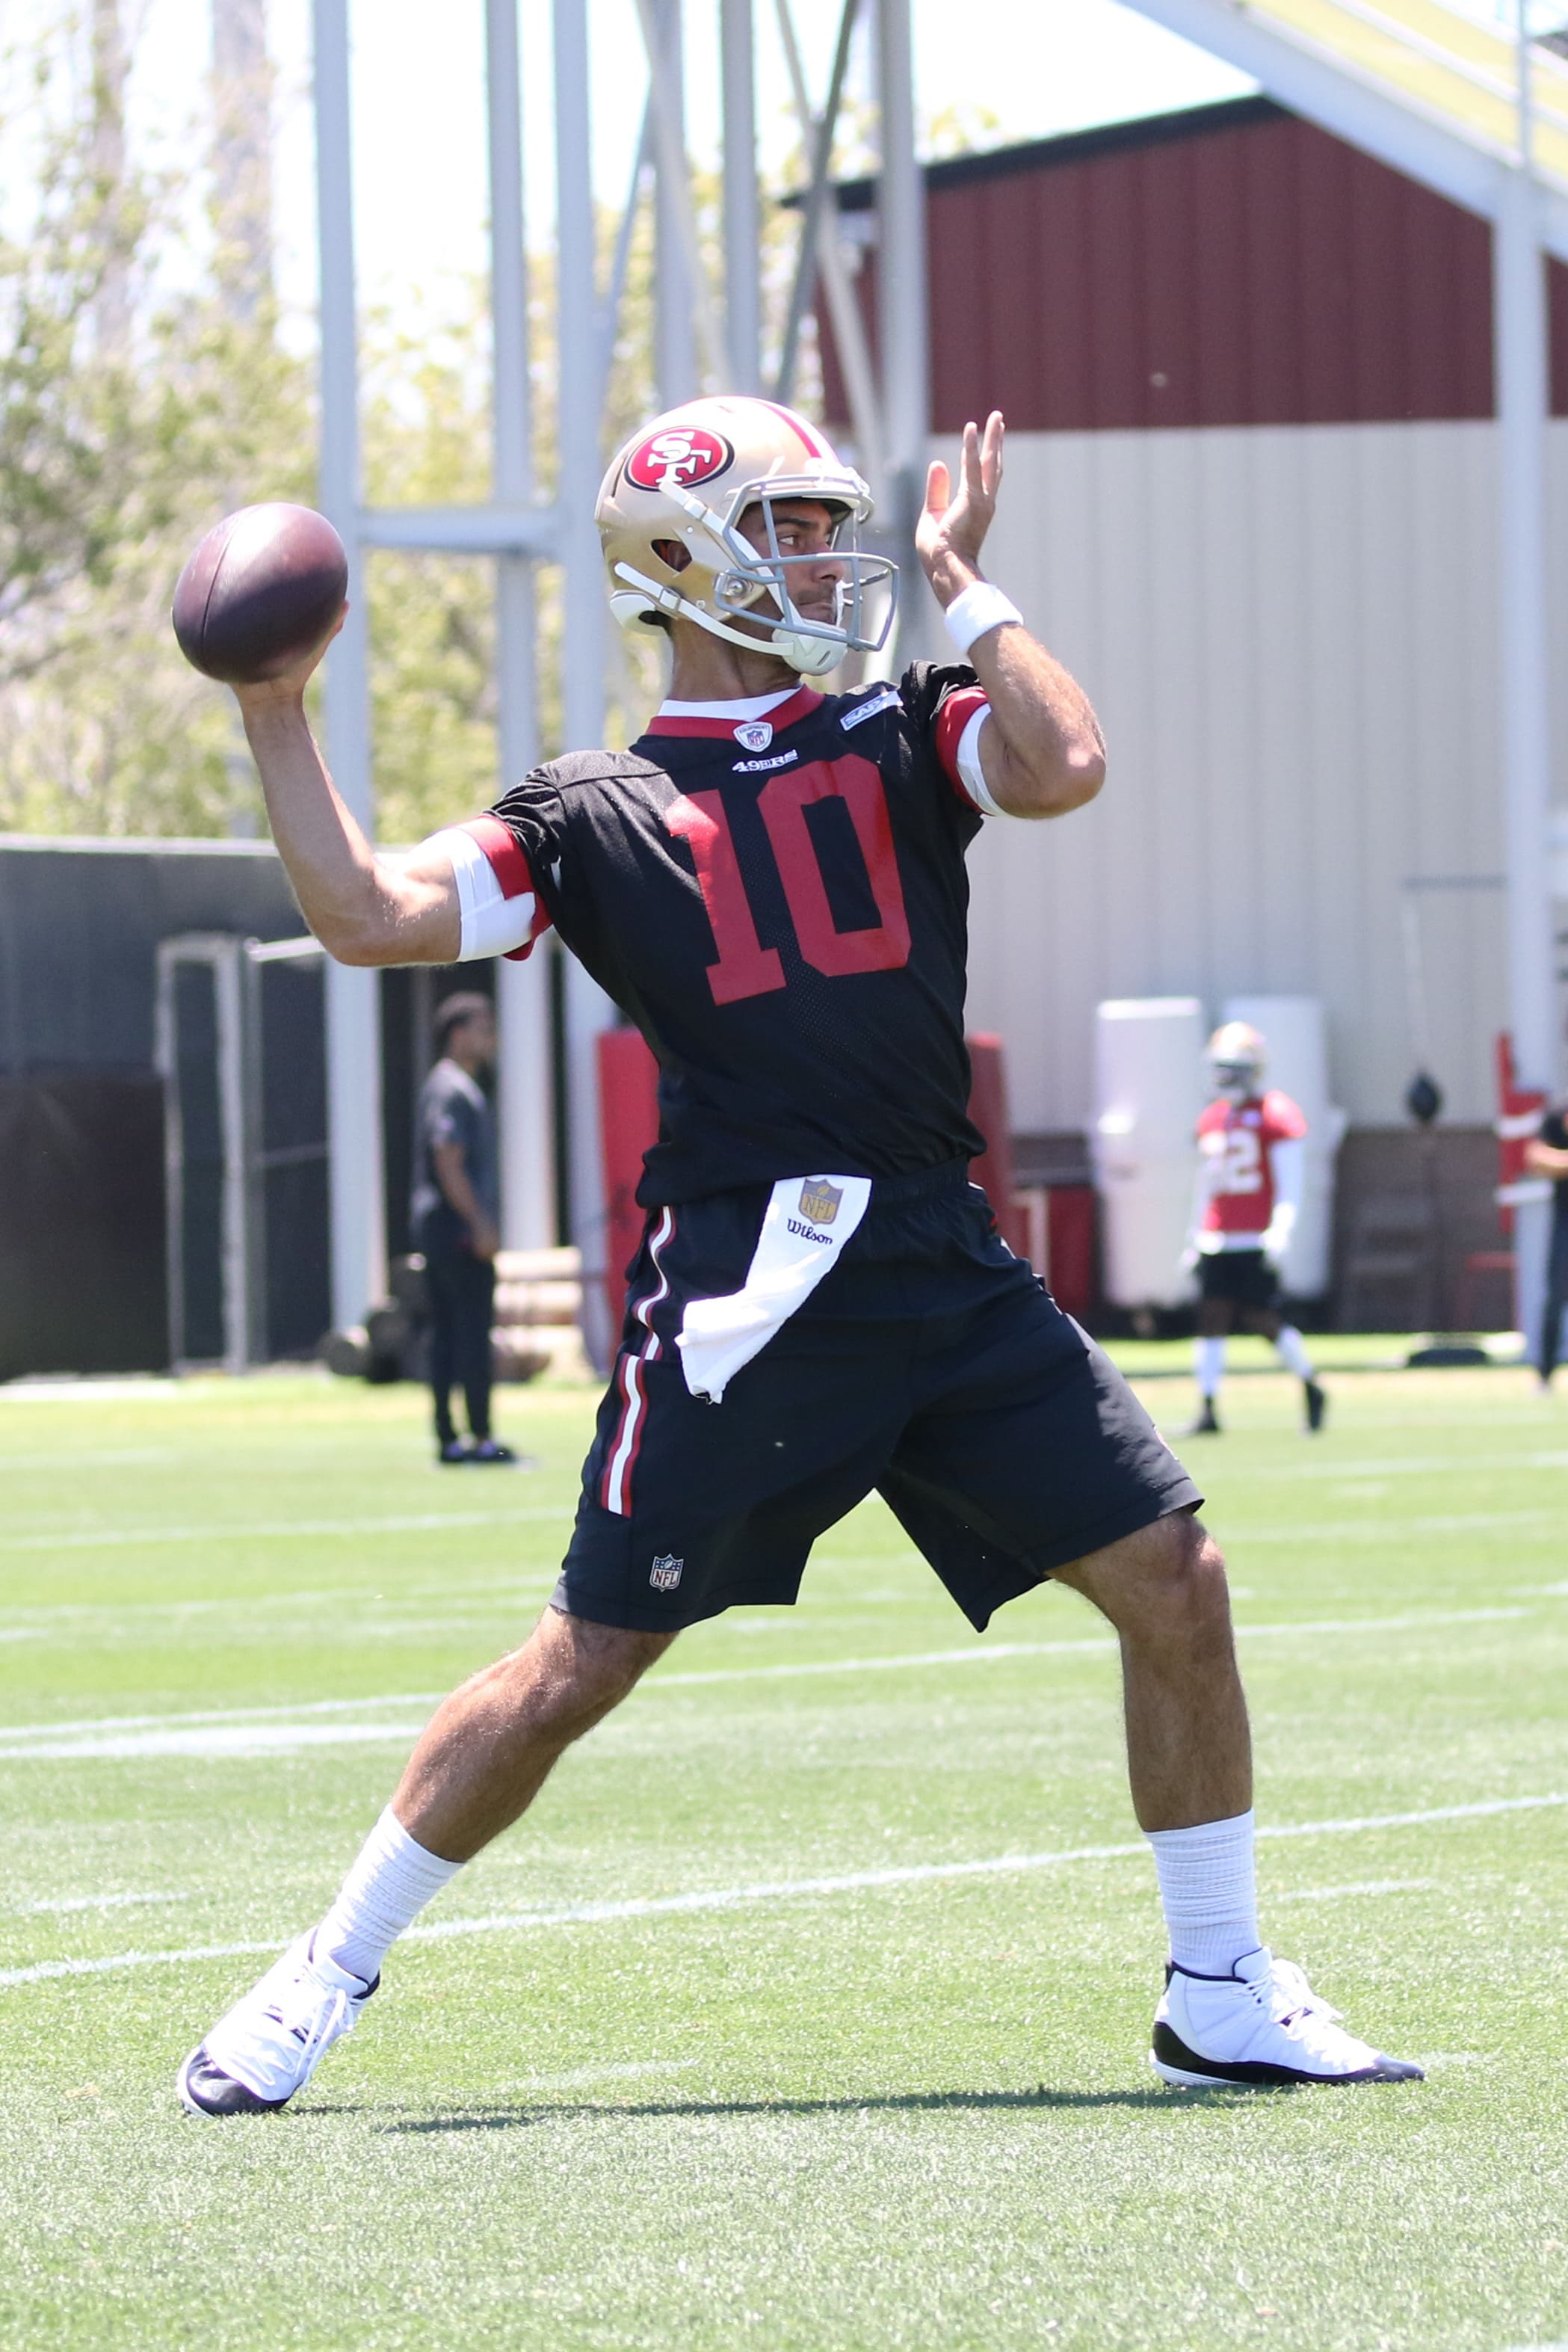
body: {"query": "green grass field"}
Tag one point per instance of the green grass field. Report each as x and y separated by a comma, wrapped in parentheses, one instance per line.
(810, 2008)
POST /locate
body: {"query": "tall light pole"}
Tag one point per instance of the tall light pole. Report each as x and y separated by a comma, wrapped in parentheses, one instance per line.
(522, 989)
(353, 996)
(1520, 352)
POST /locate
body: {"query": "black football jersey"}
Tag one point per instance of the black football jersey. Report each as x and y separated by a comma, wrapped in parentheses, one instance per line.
(781, 905)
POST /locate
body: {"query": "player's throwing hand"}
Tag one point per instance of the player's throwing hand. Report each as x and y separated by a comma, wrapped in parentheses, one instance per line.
(951, 530)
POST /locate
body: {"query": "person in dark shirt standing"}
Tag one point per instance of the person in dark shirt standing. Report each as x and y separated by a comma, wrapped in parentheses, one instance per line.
(456, 1216)
(1546, 1154)
(770, 883)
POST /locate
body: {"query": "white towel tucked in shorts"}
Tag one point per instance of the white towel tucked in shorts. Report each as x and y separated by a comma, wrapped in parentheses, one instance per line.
(807, 1220)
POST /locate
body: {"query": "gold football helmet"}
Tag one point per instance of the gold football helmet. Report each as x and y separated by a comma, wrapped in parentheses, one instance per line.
(690, 476)
(1236, 1053)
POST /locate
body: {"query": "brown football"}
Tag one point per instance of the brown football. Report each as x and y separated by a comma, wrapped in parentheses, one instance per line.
(263, 586)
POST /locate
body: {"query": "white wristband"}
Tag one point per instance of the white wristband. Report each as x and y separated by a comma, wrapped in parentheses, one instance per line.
(979, 608)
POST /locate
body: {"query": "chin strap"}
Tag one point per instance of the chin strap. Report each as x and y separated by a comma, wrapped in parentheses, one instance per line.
(811, 657)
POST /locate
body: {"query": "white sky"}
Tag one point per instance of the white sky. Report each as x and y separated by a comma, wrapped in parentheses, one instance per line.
(1041, 66)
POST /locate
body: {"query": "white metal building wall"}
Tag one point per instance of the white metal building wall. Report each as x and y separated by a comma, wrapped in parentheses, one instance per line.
(1291, 636)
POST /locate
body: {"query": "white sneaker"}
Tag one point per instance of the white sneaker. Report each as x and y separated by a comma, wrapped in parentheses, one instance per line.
(272, 2042)
(1260, 2025)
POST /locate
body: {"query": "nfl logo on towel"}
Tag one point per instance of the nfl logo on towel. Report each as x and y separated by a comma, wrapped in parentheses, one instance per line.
(756, 735)
(665, 1572)
(820, 1200)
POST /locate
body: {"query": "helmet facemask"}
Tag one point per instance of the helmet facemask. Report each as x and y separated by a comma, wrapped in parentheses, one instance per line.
(809, 644)
(1235, 1080)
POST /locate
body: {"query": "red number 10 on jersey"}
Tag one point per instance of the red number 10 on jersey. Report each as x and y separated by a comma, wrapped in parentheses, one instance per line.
(745, 967)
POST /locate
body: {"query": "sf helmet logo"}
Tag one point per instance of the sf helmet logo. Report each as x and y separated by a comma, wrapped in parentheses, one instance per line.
(677, 457)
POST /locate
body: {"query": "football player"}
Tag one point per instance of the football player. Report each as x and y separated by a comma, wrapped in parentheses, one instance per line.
(770, 882)
(1249, 1174)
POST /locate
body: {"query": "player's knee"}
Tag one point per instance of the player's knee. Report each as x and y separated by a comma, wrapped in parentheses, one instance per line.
(1166, 1584)
(593, 1669)
(1190, 1587)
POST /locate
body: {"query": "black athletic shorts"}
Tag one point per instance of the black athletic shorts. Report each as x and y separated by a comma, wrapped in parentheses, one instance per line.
(929, 1363)
(1245, 1278)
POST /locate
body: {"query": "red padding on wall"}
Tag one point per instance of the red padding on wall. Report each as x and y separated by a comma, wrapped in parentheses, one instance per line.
(993, 1172)
(1070, 1212)
(628, 1125)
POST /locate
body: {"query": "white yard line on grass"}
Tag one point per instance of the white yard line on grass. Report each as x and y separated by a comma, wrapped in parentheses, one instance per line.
(1331, 1470)
(248, 1530)
(1346, 1531)
(97, 1902)
(732, 1898)
(235, 1732)
(518, 1584)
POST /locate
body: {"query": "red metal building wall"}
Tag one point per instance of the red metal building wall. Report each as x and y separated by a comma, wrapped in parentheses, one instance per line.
(1231, 265)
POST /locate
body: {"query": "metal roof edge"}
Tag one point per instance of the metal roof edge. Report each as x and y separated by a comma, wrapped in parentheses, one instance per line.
(1069, 147)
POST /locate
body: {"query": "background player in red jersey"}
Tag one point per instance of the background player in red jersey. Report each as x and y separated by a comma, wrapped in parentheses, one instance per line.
(771, 882)
(1248, 1196)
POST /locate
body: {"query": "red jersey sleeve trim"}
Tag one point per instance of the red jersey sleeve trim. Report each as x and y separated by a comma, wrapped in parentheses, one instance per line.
(508, 863)
(954, 716)
(506, 858)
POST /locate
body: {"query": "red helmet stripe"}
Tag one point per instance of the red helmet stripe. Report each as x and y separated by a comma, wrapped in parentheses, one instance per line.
(806, 435)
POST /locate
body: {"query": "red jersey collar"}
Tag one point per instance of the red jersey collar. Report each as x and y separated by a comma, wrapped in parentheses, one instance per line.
(799, 705)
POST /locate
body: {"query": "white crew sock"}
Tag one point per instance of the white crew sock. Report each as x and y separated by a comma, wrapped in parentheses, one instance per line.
(1209, 1362)
(1209, 1893)
(391, 1880)
(1291, 1350)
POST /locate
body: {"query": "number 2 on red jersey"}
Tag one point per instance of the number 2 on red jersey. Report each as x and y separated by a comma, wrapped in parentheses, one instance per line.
(745, 967)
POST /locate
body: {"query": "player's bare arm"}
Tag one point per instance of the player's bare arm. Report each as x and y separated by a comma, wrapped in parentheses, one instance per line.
(1544, 1158)
(364, 908)
(1042, 754)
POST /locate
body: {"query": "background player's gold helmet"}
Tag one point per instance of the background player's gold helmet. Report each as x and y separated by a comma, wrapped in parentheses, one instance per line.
(1236, 1055)
(690, 476)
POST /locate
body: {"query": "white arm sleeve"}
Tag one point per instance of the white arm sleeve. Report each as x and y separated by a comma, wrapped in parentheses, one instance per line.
(967, 756)
(493, 924)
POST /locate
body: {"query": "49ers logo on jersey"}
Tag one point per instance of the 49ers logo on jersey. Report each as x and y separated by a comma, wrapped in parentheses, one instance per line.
(677, 457)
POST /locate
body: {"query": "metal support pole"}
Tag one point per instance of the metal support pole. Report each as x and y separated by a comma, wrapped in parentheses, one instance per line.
(827, 259)
(524, 1093)
(584, 616)
(742, 232)
(675, 287)
(819, 236)
(1520, 345)
(353, 996)
(902, 307)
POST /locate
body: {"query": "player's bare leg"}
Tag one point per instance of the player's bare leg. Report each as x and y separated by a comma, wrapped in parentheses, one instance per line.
(1232, 2013)
(486, 1751)
(1189, 1754)
(478, 1766)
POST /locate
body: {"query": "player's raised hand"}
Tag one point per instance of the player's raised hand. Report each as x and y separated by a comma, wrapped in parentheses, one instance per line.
(953, 525)
(286, 689)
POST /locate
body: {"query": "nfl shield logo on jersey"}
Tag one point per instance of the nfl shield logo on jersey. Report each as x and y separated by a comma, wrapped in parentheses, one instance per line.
(756, 735)
(820, 1200)
(665, 1572)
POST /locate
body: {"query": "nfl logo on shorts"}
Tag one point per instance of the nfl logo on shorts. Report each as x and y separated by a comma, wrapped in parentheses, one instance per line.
(665, 1572)
(820, 1200)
